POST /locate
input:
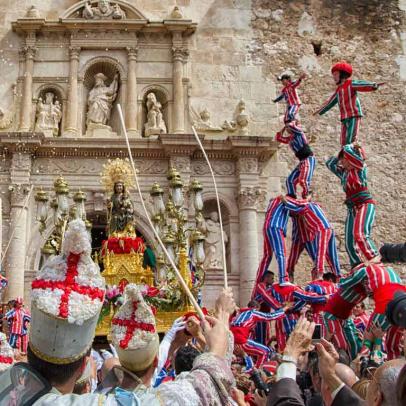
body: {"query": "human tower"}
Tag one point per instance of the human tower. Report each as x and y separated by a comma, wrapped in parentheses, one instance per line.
(331, 295)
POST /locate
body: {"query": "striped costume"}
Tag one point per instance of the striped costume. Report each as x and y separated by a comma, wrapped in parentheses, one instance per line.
(289, 94)
(346, 95)
(382, 283)
(276, 296)
(18, 319)
(315, 231)
(274, 231)
(361, 321)
(337, 319)
(360, 205)
(303, 173)
(241, 327)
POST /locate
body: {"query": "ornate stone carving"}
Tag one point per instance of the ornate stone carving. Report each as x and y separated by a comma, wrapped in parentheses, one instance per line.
(213, 244)
(33, 13)
(181, 163)
(219, 167)
(176, 13)
(100, 101)
(249, 197)
(201, 121)
(6, 119)
(29, 52)
(180, 54)
(49, 114)
(240, 122)
(18, 194)
(155, 124)
(103, 11)
(247, 165)
(21, 162)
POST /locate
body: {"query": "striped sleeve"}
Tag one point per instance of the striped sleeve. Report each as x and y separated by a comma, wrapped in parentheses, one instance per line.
(267, 298)
(281, 138)
(294, 205)
(260, 316)
(296, 83)
(354, 156)
(279, 98)
(353, 279)
(364, 86)
(309, 297)
(332, 164)
(329, 104)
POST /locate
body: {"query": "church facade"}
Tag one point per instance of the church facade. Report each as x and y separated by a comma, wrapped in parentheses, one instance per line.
(168, 68)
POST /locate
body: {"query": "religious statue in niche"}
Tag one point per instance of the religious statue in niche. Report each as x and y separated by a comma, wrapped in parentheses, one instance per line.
(100, 101)
(213, 244)
(155, 124)
(49, 114)
(120, 212)
(103, 11)
(240, 122)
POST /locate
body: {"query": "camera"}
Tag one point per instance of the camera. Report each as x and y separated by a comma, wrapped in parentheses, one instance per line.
(393, 252)
(316, 337)
(396, 310)
(259, 383)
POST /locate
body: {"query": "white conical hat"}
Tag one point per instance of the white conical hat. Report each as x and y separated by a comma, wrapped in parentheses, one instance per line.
(67, 296)
(133, 331)
(6, 353)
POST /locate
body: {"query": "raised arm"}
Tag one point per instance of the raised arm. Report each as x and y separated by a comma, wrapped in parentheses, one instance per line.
(308, 297)
(279, 98)
(261, 316)
(332, 164)
(364, 86)
(353, 279)
(284, 139)
(267, 297)
(294, 205)
(329, 104)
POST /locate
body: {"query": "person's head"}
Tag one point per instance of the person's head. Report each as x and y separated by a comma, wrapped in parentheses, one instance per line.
(57, 374)
(99, 79)
(329, 277)
(358, 309)
(184, 358)
(268, 278)
(346, 374)
(104, 5)
(214, 216)
(381, 390)
(119, 187)
(401, 387)
(361, 387)
(253, 304)
(343, 357)
(285, 79)
(309, 315)
(341, 71)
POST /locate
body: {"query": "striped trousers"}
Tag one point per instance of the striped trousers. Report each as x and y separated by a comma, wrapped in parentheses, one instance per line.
(358, 228)
(349, 130)
(313, 248)
(18, 341)
(302, 175)
(284, 328)
(291, 113)
(257, 350)
(274, 243)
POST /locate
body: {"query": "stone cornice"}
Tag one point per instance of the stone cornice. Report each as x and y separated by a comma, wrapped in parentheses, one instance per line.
(164, 146)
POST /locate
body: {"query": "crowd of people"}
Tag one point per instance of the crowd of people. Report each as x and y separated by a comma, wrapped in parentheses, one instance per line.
(317, 344)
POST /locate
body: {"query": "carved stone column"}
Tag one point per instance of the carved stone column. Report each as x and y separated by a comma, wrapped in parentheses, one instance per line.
(26, 105)
(248, 199)
(131, 104)
(179, 53)
(72, 107)
(14, 263)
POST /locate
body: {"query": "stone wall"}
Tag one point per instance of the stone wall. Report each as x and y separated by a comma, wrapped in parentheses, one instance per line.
(309, 36)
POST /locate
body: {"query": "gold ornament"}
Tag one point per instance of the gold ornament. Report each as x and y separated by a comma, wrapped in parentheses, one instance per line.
(118, 170)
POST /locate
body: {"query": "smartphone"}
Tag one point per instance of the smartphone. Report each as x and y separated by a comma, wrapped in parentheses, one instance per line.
(316, 334)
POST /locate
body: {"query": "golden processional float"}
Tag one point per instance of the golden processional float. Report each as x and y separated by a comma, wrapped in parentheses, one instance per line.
(125, 257)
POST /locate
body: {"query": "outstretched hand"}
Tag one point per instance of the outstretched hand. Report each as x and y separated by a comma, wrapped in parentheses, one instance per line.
(328, 358)
(300, 341)
(216, 336)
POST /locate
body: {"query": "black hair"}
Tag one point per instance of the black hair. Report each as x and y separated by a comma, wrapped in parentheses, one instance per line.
(285, 76)
(184, 358)
(266, 273)
(80, 388)
(253, 303)
(343, 357)
(55, 374)
(344, 75)
(329, 276)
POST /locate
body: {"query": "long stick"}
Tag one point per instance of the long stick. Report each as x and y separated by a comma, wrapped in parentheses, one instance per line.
(223, 245)
(27, 199)
(171, 261)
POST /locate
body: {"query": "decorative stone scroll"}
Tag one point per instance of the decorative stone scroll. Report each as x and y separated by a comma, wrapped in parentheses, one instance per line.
(103, 11)
(251, 197)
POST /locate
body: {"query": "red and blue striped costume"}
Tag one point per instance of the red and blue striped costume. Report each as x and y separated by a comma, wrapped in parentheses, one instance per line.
(346, 95)
(241, 327)
(360, 205)
(303, 173)
(276, 296)
(18, 319)
(321, 287)
(381, 283)
(314, 224)
(289, 94)
(361, 321)
(274, 232)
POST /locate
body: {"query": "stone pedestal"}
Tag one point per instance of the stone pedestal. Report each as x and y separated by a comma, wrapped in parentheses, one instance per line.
(100, 130)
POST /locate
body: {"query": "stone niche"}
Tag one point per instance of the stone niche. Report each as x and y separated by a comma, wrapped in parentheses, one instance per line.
(97, 55)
